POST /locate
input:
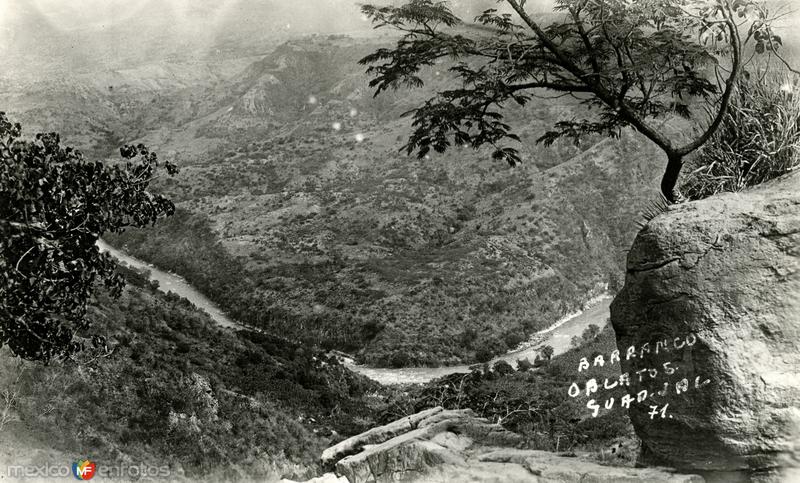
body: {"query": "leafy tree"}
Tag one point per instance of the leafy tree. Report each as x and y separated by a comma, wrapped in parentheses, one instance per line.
(54, 205)
(547, 352)
(633, 62)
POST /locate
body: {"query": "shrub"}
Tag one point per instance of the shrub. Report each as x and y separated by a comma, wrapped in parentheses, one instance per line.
(483, 354)
(590, 333)
(758, 140)
(503, 368)
(524, 365)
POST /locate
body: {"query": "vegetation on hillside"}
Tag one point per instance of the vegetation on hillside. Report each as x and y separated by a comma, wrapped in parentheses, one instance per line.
(212, 404)
(401, 261)
(175, 389)
(335, 231)
(256, 297)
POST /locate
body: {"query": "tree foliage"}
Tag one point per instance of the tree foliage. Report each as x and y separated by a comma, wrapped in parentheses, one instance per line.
(630, 62)
(54, 205)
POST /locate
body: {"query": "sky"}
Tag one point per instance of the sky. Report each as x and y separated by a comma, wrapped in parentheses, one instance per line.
(175, 15)
(303, 15)
(88, 30)
(81, 33)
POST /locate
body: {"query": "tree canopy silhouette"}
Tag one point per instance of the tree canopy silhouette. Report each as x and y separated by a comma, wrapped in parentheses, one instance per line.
(632, 62)
(54, 205)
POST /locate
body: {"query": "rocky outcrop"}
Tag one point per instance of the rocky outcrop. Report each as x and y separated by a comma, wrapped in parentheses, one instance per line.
(713, 289)
(456, 446)
(375, 436)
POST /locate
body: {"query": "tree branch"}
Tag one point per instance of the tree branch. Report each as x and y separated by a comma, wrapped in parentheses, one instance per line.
(603, 94)
(552, 86)
(563, 59)
(730, 84)
(590, 50)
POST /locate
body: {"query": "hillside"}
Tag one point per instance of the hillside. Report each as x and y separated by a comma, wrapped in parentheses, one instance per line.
(175, 393)
(307, 190)
(176, 390)
(330, 235)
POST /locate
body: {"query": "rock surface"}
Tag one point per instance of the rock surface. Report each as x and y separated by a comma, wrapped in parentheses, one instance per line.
(438, 445)
(715, 285)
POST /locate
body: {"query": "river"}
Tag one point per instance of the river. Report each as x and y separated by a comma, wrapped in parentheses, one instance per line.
(170, 282)
(558, 335)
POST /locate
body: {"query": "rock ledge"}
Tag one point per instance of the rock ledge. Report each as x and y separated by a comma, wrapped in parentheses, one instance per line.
(438, 445)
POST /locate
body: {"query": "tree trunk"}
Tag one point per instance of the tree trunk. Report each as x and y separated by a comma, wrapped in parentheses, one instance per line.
(670, 180)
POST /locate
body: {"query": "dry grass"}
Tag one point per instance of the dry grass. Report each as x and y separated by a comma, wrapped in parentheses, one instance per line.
(759, 139)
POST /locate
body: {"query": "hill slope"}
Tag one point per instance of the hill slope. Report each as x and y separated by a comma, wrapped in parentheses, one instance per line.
(327, 234)
(350, 244)
(178, 391)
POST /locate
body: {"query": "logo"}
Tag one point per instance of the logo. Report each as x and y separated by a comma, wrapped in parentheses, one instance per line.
(83, 470)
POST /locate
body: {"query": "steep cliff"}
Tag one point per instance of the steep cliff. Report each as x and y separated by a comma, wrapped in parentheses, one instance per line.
(708, 324)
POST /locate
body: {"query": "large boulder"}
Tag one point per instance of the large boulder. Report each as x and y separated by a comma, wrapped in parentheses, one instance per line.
(439, 445)
(713, 288)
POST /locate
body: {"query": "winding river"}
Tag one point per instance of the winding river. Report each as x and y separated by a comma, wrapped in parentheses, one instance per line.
(558, 335)
(170, 282)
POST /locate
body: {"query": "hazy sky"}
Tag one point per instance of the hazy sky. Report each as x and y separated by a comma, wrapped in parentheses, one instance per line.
(104, 29)
(175, 15)
(303, 14)
(116, 32)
